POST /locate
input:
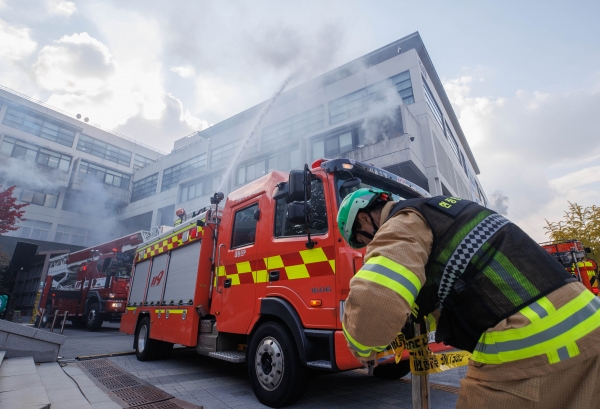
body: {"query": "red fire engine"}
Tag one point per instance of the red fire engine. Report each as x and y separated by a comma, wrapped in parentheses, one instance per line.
(263, 281)
(92, 284)
(573, 256)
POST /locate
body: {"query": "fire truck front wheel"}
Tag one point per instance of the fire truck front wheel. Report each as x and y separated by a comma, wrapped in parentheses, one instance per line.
(146, 348)
(93, 320)
(277, 376)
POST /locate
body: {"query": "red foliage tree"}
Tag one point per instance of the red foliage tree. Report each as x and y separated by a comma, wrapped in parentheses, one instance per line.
(10, 211)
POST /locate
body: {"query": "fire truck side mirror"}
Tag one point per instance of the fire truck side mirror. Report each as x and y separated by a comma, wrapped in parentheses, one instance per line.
(281, 191)
(296, 213)
(296, 186)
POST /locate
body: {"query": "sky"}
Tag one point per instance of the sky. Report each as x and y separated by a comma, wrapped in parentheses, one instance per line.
(523, 77)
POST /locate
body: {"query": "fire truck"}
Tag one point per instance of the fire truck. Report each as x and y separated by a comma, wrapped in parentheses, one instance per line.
(262, 280)
(92, 284)
(573, 256)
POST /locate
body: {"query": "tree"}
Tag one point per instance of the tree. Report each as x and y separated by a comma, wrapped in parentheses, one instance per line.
(10, 211)
(579, 223)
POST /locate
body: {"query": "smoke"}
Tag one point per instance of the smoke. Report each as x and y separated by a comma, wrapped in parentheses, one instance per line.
(499, 202)
(383, 117)
(27, 175)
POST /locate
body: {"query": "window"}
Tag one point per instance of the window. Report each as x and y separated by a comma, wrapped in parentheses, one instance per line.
(455, 148)
(72, 235)
(32, 229)
(357, 102)
(318, 214)
(140, 161)
(40, 198)
(295, 127)
(283, 161)
(183, 170)
(437, 112)
(244, 227)
(36, 125)
(144, 188)
(203, 187)
(103, 150)
(101, 174)
(333, 145)
(35, 154)
(220, 156)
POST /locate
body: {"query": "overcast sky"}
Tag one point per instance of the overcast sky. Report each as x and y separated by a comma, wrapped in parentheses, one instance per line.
(524, 77)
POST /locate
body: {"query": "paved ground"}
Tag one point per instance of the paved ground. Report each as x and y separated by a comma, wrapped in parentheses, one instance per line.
(218, 384)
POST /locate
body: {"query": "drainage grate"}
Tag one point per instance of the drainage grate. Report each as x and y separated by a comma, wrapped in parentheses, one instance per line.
(105, 372)
(119, 382)
(141, 395)
(96, 363)
(128, 390)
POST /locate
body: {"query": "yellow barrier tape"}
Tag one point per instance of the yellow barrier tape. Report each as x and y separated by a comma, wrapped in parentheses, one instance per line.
(422, 360)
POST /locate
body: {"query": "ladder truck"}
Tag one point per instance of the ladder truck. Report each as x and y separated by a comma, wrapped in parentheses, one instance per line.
(92, 284)
(262, 280)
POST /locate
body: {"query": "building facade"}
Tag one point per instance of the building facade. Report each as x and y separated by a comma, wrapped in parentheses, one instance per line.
(87, 185)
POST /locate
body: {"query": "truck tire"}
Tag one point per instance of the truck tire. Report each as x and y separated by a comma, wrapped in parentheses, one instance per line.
(277, 376)
(146, 348)
(93, 318)
(392, 372)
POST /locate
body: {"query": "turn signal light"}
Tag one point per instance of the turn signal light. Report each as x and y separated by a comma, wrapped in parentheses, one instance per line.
(315, 303)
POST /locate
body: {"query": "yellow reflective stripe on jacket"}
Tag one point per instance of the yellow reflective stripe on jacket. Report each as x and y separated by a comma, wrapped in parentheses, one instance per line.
(359, 348)
(383, 271)
(555, 332)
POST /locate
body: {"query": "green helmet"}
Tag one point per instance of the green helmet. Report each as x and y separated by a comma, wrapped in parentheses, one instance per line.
(351, 205)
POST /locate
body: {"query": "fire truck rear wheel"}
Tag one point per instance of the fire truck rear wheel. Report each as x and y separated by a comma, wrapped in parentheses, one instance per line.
(277, 376)
(392, 372)
(146, 348)
(93, 320)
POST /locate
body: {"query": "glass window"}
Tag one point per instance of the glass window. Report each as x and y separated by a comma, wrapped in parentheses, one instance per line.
(140, 161)
(33, 123)
(183, 170)
(333, 145)
(32, 229)
(295, 127)
(104, 175)
(143, 188)
(358, 102)
(244, 227)
(72, 235)
(40, 197)
(35, 154)
(104, 150)
(282, 161)
(435, 109)
(203, 187)
(221, 155)
(318, 214)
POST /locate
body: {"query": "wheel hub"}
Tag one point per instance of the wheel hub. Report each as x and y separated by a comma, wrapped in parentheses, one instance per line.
(142, 338)
(269, 363)
(91, 316)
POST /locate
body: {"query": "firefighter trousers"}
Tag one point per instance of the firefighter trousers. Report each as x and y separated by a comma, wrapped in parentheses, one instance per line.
(575, 387)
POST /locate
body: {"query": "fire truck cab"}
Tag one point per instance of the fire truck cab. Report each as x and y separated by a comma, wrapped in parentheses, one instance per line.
(573, 256)
(263, 281)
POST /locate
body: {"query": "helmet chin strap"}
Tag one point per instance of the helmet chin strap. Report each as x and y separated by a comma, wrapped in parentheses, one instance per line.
(369, 236)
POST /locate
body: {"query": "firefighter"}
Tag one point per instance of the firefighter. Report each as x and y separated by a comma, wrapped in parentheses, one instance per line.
(531, 327)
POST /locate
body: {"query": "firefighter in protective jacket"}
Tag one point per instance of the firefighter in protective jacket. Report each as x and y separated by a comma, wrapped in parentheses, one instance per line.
(532, 328)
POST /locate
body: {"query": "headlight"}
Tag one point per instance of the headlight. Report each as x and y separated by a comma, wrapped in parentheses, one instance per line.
(117, 305)
(111, 295)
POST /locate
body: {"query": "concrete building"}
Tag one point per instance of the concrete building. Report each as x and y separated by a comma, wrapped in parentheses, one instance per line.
(388, 108)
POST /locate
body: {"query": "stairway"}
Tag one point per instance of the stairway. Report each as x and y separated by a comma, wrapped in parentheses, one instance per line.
(27, 385)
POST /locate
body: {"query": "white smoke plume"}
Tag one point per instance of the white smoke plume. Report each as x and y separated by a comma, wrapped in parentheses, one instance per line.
(383, 115)
(26, 174)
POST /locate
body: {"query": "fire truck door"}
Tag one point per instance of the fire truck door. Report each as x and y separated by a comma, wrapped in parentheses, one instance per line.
(236, 266)
(304, 274)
